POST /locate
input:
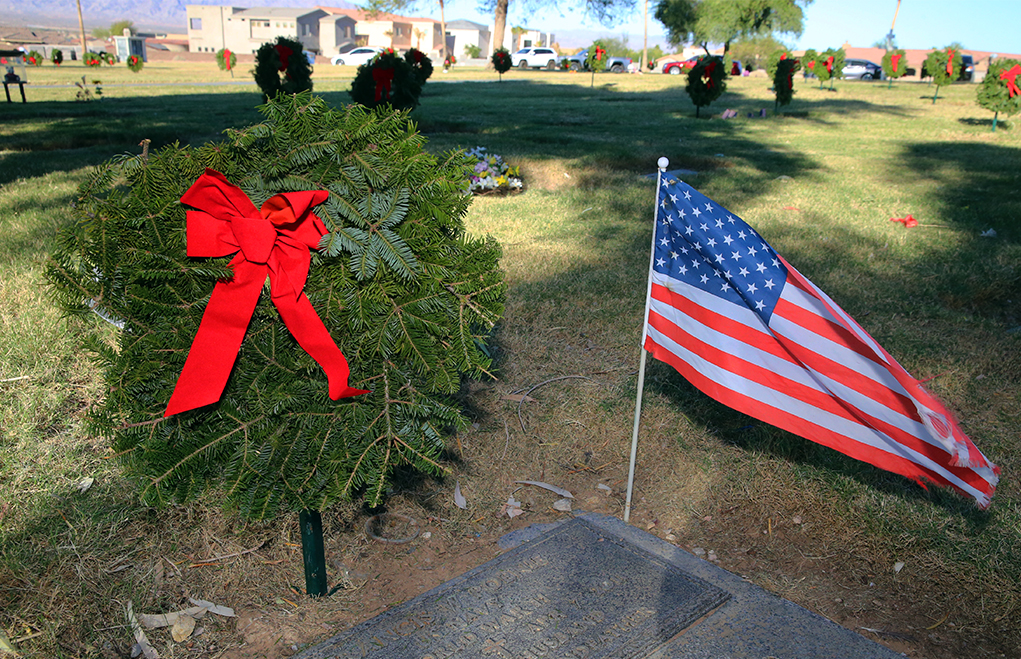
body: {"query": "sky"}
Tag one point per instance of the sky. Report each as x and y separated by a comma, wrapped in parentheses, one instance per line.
(989, 25)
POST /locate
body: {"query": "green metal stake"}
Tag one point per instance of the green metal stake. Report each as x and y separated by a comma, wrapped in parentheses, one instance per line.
(995, 115)
(935, 94)
(314, 553)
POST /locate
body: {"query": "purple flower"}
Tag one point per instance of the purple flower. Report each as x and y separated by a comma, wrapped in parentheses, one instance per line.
(480, 167)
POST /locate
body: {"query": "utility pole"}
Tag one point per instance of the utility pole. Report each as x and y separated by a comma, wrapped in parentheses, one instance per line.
(81, 28)
(889, 37)
(645, 41)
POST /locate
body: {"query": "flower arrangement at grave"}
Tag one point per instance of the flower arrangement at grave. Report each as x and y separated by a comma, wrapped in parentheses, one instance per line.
(777, 56)
(387, 79)
(420, 63)
(707, 80)
(135, 63)
(226, 60)
(944, 66)
(501, 60)
(783, 81)
(57, 56)
(310, 390)
(34, 58)
(1000, 90)
(92, 59)
(490, 173)
(895, 65)
(282, 68)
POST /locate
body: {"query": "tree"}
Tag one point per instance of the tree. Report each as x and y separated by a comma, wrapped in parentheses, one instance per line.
(999, 91)
(754, 52)
(724, 21)
(116, 29)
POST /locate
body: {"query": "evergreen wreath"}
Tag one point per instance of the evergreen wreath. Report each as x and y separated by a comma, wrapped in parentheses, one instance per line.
(501, 61)
(706, 81)
(597, 56)
(387, 79)
(420, 64)
(944, 66)
(108, 58)
(810, 60)
(783, 80)
(400, 286)
(829, 65)
(895, 68)
(282, 68)
(777, 56)
(226, 59)
(135, 63)
(1000, 90)
(34, 58)
(57, 56)
(92, 59)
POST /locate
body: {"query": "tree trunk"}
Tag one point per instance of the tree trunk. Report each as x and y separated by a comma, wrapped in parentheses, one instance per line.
(499, 23)
(443, 34)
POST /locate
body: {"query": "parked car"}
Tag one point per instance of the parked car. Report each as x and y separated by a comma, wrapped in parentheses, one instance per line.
(536, 58)
(677, 67)
(861, 69)
(967, 68)
(577, 61)
(356, 57)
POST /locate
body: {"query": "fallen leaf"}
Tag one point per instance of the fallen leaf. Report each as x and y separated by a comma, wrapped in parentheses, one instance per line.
(136, 629)
(5, 645)
(224, 611)
(84, 484)
(183, 628)
(517, 398)
(512, 507)
(898, 566)
(552, 488)
(157, 620)
(459, 499)
(563, 505)
(606, 488)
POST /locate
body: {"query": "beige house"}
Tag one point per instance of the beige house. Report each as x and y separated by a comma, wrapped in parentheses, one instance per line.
(212, 27)
(341, 27)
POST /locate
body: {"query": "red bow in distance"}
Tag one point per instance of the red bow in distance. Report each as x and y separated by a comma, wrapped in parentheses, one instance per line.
(1010, 75)
(707, 73)
(283, 52)
(906, 221)
(950, 63)
(226, 58)
(894, 60)
(384, 81)
(274, 242)
(829, 64)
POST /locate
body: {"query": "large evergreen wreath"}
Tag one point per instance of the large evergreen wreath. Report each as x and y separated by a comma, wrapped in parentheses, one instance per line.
(401, 288)
(777, 56)
(57, 56)
(706, 81)
(597, 57)
(809, 61)
(135, 63)
(1000, 90)
(502, 61)
(420, 64)
(944, 66)
(829, 65)
(282, 67)
(92, 59)
(783, 80)
(387, 79)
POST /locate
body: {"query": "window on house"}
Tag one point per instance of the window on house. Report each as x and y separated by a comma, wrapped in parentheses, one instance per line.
(195, 23)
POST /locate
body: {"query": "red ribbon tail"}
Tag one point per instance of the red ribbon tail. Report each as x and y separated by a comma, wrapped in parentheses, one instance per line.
(308, 329)
(216, 344)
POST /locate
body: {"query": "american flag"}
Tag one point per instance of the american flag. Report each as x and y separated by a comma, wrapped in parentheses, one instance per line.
(746, 328)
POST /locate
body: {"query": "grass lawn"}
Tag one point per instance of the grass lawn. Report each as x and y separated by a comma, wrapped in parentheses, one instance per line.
(820, 183)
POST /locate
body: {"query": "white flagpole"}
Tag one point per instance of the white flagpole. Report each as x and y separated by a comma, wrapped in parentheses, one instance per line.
(663, 164)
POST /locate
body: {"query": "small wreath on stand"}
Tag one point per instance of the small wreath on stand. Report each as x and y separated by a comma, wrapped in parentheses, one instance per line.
(108, 58)
(420, 64)
(387, 79)
(501, 61)
(895, 65)
(449, 62)
(706, 81)
(57, 56)
(34, 58)
(92, 59)
(282, 67)
(135, 63)
(783, 81)
(226, 60)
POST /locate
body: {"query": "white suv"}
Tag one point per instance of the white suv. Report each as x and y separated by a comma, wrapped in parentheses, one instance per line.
(536, 58)
(356, 57)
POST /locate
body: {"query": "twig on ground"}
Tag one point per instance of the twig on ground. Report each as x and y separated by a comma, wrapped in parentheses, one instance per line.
(210, 561)
(534, 387)
(20, 377)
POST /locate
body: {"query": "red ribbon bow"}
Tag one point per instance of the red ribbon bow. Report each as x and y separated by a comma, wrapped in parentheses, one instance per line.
(417, 54)
(384, 80)
(599, 53)
(783, 56)
(811, 65)
(283, 52)
(908, 221)
(829, 64)
(950, 63)
(226, 57)
(894, 59)
(707, 73)
(1010, 75)
(273, 242)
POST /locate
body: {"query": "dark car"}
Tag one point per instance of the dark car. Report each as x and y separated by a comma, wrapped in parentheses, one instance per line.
(967, 68)
(861, 69)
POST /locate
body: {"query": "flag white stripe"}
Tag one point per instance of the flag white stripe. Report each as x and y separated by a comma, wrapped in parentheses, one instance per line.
(822, 418)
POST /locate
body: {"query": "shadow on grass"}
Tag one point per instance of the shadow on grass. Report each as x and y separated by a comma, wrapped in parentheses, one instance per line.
(1001, 124)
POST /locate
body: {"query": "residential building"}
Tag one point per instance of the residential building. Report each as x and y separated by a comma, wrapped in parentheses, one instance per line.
(461, 33)
(212, 27)
(342, 27)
